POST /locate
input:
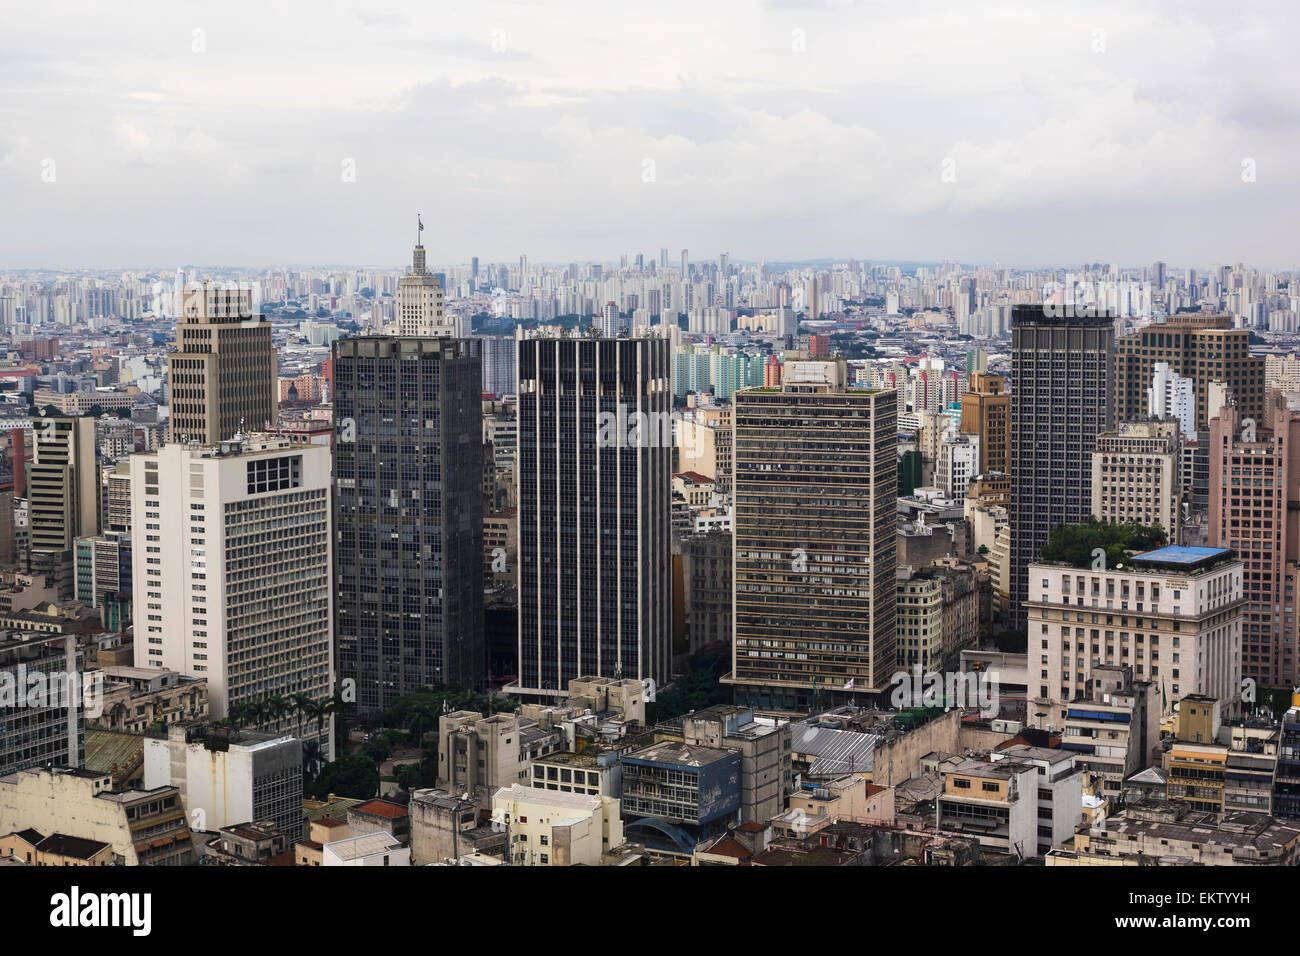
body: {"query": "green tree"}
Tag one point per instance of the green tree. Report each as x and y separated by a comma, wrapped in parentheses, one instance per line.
(350, 776)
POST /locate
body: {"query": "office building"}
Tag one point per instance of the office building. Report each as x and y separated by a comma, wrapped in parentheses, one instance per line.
(816, 475)
(594, 491)
(227, 777)
(1137, 475)
(1060, 401)
(986, 412)
(42, 717)
(420, 308)
(222, 377)
(234, 581)
(1174, 615)
(1204, 348)
(1254, 467)
(408, 465)
(63, 497)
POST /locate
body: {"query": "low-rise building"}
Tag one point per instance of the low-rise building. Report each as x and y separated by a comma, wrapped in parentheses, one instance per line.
(144, 827)
(1112, 727)
(676, 794)
(227, 776)
(1171, 833)
(369, 849)
(996, 802)
(549, 828)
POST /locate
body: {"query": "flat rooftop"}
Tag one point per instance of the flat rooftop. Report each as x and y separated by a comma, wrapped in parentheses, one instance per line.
(1183, 556)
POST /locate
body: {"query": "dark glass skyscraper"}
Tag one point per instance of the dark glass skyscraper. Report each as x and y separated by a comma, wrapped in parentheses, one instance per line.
(1061, 400)
(408, 459)
(594, 481)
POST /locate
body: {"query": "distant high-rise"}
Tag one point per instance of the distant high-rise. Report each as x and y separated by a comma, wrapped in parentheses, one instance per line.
(686, 264)
(816, 479)
(1061, 400)
(420, 308)
(986, 412)
(408, 464)
(63, 497)
(594, 490)
(1204, 348)
(222, 377)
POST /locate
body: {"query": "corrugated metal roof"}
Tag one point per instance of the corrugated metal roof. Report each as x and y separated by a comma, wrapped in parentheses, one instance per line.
(836, 751)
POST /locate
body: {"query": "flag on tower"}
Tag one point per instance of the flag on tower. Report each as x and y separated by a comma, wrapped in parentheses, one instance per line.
(420, 222)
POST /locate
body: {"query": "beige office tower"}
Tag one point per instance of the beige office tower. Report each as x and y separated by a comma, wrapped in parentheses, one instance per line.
(233, 571)
(1137, 475)
(62, 496)
(420, 302)
(815, 524)
(222, 377)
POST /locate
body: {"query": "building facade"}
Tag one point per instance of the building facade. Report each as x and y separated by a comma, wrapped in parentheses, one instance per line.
(594, 492)
(409, 515)
(816, 477)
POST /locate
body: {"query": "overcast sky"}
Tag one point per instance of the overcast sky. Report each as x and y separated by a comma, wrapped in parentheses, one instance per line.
(1023, 133)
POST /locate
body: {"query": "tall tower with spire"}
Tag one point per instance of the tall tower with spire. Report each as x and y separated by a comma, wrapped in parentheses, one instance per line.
(420, 306)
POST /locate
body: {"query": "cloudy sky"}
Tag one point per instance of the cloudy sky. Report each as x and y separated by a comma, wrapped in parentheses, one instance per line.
(1030, 133)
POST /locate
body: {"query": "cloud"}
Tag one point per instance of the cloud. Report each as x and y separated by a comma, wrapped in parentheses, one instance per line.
(1009, 132)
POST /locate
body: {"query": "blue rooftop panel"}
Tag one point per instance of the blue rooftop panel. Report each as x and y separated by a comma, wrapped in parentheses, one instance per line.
(1177, 554)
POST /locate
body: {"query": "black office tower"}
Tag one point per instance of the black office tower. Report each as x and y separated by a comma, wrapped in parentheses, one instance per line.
(408, 457)
(1061, 399)
(594, 482)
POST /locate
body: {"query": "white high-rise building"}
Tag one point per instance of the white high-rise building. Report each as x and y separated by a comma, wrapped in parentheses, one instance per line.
(233, 576)
(1172, 395)
(957, 463)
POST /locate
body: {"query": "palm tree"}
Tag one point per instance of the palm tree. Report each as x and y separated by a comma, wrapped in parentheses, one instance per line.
(313, 757)
(303, 705)
(277, 707)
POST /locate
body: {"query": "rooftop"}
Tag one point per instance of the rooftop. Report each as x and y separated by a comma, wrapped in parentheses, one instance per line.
(1181, 556)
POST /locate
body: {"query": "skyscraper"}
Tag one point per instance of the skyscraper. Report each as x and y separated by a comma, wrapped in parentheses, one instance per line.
(234, 578)
(408, 460)
(816, 478)
(1204, 348)
(1061, 399)
(222, 377)
(594, 490)
(1253, 471)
